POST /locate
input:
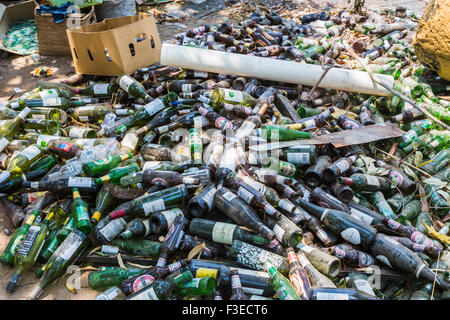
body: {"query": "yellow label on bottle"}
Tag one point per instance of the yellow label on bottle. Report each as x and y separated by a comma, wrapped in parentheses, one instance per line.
(205, 272)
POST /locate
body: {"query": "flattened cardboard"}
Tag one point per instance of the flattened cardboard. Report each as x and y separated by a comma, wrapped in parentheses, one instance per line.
(117, 36)
(13, 13)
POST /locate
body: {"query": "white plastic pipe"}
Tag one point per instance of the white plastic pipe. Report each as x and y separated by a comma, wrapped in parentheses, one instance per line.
(271, 69)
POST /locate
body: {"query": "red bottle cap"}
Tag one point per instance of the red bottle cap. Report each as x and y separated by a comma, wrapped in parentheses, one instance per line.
(118, 214)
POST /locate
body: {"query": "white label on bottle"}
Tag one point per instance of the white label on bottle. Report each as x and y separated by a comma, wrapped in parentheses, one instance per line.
(372, 180)
(125, 82)
(200, 74)
(362, 216)
(306, 248)
(186, 87)
(24, 113)
(48, 94)
(351, 235)
(146, 295)
(163, 129)
(154, 107)
(86, 108)
(100, 88)
(248, 290)
(150, 165)
(286, 205)
(45, 138)
(113, 228)
(80, 182)
(154, 206)
(279, 232)
(229, 195)
(342, 165)
(253, 273)
(69, 252)
(203, 99)
(245, 195)
(51, 102)
(83, 118)
(331, 296)
(223, 232)
(31, 152)
(209, 197)
(77, 132)
(130, 141)
(310, 124)
(233, 95)
(38, 116)
(298, 158)
(14, 105)
(170, 215)
(363, 285)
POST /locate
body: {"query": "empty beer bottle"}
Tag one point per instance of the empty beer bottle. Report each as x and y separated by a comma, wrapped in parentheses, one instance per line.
(297, 275)
(136, 228)
(282, 287)
(132, 87)
(80, 212)
(100, 166)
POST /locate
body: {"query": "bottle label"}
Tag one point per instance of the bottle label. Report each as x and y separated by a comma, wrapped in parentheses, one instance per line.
(393, 224)
(255, 258)
(253, 273)
(142, 282)
(77, 132)
(229, 195)
(130, 141)
(235, 282)
(245, 195)
(249, 291)
(100, 88)
(125, 82)
(80, 182)
(86, 109)
(204, 99)
(51, 102)
(331, 296)
(205, 272)
(29, 240)
(150, 165)
(154, 107)
(163, 129)
(395, 177)
(38, 116)
(223, 233)
(146, 295)
(186, 87)
(223, 123)
(84, 118)
(306, 248)
(351, 235)
(298, 158)
(113, 228)
(363, 285)
(31, 152)
(200, 74)
(209, 197)
(170, 215)
(339, 253)
(361, 216)
(286, 205)
(233, 95)
(342, 165)
(310, 124)
(279, 232)
(48, 94)
(372, 180)
(154, 206)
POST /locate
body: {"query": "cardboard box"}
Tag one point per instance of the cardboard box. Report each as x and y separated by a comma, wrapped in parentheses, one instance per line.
(115, 46)
(13, 13)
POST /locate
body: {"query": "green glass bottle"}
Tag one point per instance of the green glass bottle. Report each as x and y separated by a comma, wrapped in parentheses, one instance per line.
(232, 97)
(49, 127)
(133, 87)
(284, 168)
(47, 162)
(10, 128)
(196, 146)
(115, 174)
(140, 247)
(64, 256)
(91, 113)
(154, 202)
(97, 167)
(107, 277)
(162, 289)
(382, 205)
(45, 113)
(281, 133)
(22, 161)
(75, 132)
(80, 212)
(197, 287)
(366, 183)
(97, 90)
(7, 257)
(61, 103)
(281, 285)
(29, 250)
(67, 228)
(104, 202)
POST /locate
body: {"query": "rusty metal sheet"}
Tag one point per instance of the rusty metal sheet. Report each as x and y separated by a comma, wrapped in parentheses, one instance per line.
(339, 139)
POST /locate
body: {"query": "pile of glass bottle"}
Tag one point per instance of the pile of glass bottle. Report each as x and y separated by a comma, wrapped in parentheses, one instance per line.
(172, 166)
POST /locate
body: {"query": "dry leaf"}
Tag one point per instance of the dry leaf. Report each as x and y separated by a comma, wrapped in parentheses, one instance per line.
(195, 251)
(120, 261)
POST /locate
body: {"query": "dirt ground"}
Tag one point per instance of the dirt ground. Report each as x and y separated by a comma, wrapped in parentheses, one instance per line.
(15, 73)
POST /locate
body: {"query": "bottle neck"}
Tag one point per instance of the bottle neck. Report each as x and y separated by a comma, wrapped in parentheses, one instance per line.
(236, 286)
